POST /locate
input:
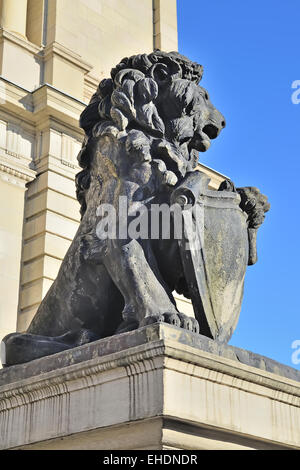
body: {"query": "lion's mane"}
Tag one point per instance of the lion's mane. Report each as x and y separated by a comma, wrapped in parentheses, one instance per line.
(131, 105)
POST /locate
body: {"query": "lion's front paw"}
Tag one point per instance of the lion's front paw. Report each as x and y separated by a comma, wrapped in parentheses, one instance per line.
(189, 323)
(170, 318)
(177, 319)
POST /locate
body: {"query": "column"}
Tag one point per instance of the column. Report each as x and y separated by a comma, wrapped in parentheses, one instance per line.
(13, 16)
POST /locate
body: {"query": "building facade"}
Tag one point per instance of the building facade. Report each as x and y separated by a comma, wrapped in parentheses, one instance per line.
(53, 53)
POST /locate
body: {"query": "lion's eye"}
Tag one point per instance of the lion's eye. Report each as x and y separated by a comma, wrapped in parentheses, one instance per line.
(206, 96)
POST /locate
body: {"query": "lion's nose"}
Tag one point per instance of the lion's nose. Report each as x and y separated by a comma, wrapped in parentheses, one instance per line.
(216, 124)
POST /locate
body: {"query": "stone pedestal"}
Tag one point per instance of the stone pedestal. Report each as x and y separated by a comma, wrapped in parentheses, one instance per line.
(155, 388)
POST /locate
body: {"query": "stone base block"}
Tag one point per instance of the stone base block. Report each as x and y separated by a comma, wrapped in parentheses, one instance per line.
(158, 387)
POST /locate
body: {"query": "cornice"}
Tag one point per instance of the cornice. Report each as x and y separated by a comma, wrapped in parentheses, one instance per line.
(37, 106)
(58, 49)
(91, 80)
(15, 176)
(17, 39)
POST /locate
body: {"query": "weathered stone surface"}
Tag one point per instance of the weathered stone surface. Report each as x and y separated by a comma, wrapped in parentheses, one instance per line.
(157, 387)
(143, 130)
(145, 335)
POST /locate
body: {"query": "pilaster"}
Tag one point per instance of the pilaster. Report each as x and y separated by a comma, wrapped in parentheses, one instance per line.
(165, 25)
(51, 214)
(65, 70)
(13, 16)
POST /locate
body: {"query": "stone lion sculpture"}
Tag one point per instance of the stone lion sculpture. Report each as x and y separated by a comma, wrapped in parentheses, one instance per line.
(143, 129)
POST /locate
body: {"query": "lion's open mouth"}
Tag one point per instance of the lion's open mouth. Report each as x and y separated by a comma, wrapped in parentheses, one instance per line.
(209, 131)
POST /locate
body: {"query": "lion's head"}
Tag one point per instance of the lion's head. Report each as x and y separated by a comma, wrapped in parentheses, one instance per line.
(153, 102)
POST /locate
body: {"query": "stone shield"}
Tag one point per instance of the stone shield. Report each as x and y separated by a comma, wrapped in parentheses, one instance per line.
(214, 253)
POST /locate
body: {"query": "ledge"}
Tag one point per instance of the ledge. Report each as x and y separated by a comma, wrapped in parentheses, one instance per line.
(42, 103)
(58, 49)
(217, 396)
(20, 41)
(160, 333)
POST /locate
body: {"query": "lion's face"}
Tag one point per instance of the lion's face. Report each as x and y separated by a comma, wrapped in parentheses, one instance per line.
(154, 107)
(192, 118)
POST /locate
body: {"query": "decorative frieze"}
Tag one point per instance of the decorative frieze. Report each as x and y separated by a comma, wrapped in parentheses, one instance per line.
(14, 176)
(16, 142)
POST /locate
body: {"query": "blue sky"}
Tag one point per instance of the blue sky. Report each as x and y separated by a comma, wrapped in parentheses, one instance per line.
(250, 53)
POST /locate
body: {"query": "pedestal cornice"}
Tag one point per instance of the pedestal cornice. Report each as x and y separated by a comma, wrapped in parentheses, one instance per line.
(156, 373)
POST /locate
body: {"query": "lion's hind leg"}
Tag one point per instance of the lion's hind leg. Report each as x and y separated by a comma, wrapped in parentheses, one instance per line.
(134, 270)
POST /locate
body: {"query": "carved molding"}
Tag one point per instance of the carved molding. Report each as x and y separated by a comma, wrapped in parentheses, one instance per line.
(145, 382)
(58, 49)
(15, 176)
(159, 354)
(79, 376)
(17, 39)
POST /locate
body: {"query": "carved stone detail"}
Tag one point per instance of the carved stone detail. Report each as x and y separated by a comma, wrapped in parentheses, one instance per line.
(143, 129)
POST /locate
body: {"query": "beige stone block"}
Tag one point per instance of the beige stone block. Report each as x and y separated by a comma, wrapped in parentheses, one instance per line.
(11, 211)
(11, 223)
(102, 26)
(56, 246)
(35, 20)
(33, 248)
(51, 267)
(25, 317)
(35, 226)
(35, 205)
(216, 178)
(10, 253)
(46, 266)
(138, 435)
(34, 293)
(37, 185)
(165, 25)
(32, 271)
(50, 222)
(63, 205)
(24, 59)
(184, 305)
(156, 9)
(51, 21)
(243, 408)
(55, 107)
(13, 16)
(166, 30)
(55, 202)
(55, 181)
(45, 244)
(9, 289)
(65, 76)
(165, 43)
(61, 225)
(167, 12)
